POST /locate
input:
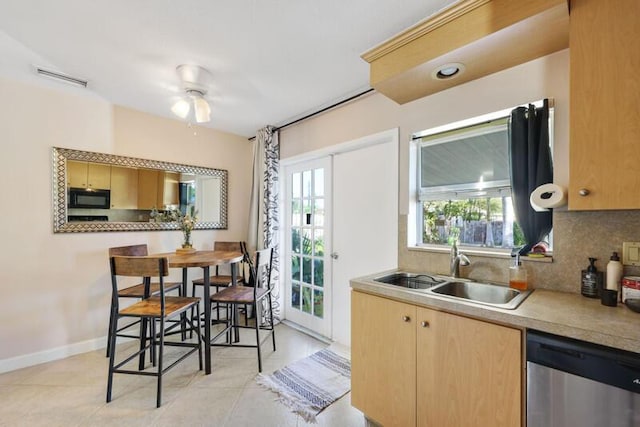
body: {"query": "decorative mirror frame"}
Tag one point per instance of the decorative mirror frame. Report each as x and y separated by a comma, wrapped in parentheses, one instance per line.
(60, 223)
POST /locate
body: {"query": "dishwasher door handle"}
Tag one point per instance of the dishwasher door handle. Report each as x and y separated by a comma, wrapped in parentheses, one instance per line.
(565, 351)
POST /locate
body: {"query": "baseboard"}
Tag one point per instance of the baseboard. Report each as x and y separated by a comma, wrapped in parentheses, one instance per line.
(19, 362)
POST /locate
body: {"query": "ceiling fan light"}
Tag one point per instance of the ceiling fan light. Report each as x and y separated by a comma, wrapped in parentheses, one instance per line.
(202, 109)
(181, 108)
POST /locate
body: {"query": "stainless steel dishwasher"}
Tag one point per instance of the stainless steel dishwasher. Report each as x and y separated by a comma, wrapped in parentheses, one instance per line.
(575, 383)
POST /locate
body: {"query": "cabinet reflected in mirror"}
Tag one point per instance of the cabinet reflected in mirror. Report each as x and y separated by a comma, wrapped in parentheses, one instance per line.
(103, 192)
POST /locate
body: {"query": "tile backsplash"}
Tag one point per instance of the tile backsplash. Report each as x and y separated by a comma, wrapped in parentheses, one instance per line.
(577, 236)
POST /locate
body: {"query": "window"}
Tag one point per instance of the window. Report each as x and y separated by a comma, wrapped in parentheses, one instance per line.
(464, 187)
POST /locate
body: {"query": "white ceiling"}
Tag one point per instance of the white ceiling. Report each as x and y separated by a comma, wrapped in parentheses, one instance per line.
(272, 60)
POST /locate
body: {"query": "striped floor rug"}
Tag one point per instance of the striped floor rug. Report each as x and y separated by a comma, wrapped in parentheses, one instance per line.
(309, 385)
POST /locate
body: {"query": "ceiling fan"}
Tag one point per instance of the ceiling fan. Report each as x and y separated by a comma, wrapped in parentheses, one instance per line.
(194, 80)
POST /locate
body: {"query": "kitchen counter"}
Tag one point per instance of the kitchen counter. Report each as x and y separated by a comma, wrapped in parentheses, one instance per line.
(567, 314)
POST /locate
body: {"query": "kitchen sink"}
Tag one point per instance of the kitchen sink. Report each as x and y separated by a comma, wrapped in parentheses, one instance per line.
(410, 280)
(482, 293)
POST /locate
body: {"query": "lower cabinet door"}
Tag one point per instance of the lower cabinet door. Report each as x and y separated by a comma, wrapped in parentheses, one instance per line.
(383, 359)
(469, 372)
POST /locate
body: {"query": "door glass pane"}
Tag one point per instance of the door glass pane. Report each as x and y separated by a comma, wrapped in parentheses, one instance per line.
(295, 296)
(306, 184)
(318, 303)
(306, 299)
(318, 272)
(295, 185)
(318, 213)
(295, 240)
(306, 212)
(318, 184)
(306, 270)
(295, 268)
(296, 211)
(318, 243)
(306, 241)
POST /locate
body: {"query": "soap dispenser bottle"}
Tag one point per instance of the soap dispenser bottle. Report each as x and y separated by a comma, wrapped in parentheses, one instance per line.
(592, 280)
(518, 275)
(614, 272)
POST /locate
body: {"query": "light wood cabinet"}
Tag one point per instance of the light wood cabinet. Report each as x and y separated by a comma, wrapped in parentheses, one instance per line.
(469, 372)
(383, 359)
(88, 175)
(156, 189)
(412, 366)
(168, 188)
(147, 189)
(486, 36)
(605, 117)
(124, 188)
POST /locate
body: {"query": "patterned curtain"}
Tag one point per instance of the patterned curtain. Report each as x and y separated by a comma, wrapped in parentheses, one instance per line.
(263, 212)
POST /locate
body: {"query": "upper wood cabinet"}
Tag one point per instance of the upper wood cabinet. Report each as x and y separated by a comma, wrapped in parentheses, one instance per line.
(147, 189)
(485, 36)
(88, 175)
(412, 366)
(605, 105)
(124, 187)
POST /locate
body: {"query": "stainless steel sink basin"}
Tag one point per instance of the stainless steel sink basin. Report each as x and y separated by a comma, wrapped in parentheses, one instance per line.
(409, 280)
(482, 293)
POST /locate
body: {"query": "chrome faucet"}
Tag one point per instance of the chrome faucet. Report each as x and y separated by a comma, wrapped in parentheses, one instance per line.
(457, 258)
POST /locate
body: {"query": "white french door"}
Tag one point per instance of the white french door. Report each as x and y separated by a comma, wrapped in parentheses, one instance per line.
(307, 238)
(341, 222)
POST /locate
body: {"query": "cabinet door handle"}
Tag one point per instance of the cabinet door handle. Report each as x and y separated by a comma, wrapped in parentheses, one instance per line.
(424, 324)
(406, 318)
(583, 192)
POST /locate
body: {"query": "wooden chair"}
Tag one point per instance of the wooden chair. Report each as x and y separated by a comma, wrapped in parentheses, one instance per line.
(255, 295)
(136, 291)
(159, 308)
(218, 280)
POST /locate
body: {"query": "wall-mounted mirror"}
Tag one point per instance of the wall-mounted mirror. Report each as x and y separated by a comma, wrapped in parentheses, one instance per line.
(104, 192)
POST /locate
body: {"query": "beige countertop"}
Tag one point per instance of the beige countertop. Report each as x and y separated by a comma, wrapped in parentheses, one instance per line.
(561, 313)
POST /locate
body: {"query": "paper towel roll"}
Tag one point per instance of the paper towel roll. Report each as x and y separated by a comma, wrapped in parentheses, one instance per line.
(548, 196)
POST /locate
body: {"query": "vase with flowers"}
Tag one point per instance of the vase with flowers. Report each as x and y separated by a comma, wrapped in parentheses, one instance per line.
(186, 221)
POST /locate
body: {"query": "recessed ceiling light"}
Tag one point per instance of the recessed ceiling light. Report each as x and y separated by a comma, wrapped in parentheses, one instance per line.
(447, 71)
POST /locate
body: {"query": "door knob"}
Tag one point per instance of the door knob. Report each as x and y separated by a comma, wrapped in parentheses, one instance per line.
(406, 318)
(334, 255)
(583, 192)
(424, 324)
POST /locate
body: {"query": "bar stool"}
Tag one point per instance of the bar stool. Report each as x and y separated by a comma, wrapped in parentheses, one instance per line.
(160, 308)
(136, 291)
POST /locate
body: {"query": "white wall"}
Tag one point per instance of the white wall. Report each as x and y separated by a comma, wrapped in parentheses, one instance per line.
(56, 287)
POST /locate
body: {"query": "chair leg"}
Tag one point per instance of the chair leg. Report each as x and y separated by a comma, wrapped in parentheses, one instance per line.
(112, 355)
(143, 342)
(258, 337)
(111, 316)
(273, 329)
(197, 307)
(160, 367)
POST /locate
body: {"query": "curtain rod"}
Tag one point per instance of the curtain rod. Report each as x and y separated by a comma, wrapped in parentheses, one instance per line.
(308, 116)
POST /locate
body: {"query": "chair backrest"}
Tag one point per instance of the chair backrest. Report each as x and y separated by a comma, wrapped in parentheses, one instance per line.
(133, 250)
(261, 269)
(138, 266)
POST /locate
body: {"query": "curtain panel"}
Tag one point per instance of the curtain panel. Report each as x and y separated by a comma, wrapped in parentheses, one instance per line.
(263, 211)
(531, 166)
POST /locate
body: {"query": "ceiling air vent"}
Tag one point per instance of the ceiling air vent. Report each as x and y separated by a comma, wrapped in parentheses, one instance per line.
(61, 77)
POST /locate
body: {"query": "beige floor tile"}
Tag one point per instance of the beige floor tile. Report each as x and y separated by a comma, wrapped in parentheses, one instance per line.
(72, 391)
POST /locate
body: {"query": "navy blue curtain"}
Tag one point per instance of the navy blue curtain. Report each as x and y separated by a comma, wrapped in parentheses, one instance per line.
(531, 166)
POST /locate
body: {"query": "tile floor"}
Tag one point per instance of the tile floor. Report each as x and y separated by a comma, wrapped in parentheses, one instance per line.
(71, 392)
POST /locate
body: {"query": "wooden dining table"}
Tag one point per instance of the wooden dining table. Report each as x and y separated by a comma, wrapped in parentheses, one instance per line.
(204, 260)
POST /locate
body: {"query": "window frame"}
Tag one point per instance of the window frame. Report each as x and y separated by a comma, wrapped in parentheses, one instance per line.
(456, 128)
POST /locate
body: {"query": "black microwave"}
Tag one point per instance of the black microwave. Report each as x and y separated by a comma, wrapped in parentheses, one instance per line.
(89, 198)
